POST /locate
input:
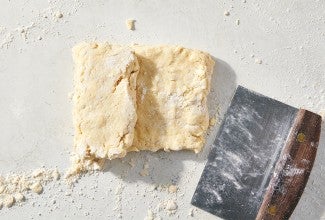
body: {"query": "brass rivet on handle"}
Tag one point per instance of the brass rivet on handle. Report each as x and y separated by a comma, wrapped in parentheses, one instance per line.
(301, 137)
(272, 210)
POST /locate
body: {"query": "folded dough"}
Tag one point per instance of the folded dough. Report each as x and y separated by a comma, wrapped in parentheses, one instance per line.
(104, 100)
(119, 108)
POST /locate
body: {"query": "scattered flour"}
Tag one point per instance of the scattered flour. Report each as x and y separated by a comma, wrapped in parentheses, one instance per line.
(14, 185)
(293, 171)
(39, 25)
(118, 200)
(7, 40)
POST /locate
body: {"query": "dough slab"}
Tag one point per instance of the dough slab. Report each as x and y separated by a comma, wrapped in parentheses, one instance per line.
(139, 98)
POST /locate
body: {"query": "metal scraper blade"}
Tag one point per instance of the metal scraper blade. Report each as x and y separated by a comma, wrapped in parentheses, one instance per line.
(243, 158)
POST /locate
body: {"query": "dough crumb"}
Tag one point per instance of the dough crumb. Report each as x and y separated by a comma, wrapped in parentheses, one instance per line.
(172, 189)
(171, 205)
(237, 22)
(130, 24)
(226, 13)
(150, 215)
(56, 175)
(9, 201)
(38, 172)
(19, 197)
(214, 118)
(191, 212)
(58, 14)
(212, 121)
(153, 187)
(258, 61)
(37, 188)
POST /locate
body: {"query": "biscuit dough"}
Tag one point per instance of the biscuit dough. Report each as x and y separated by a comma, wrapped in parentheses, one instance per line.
(104, 100)
(139, 98)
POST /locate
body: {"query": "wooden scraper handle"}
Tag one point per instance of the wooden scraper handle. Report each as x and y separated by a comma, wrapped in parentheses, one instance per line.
(293, 169)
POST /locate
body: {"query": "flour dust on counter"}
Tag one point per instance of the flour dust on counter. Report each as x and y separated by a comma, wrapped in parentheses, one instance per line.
(14, 186)
(43, 23)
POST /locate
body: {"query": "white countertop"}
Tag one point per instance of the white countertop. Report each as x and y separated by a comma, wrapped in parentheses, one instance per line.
(36, 77)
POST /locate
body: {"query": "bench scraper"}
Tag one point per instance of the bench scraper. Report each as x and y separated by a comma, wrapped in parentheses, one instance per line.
(260, 161)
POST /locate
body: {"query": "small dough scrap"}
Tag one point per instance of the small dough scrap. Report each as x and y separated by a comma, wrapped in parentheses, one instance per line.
(19, 197)
(172, 189)
(104, 100)
(171, 205)
(37, 188)
(8, 201)
(130, 24)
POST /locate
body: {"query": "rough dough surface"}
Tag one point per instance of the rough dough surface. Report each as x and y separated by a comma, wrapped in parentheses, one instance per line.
(104, 100)
(119, 108)
(172, 88)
